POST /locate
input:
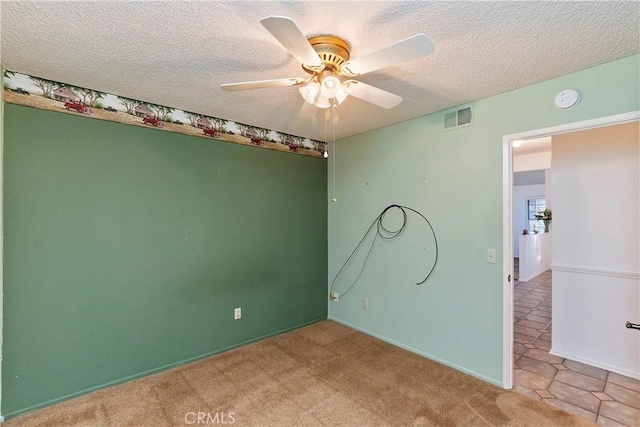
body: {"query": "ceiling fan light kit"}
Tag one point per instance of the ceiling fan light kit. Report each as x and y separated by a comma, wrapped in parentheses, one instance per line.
(323, 88)
(328, 58)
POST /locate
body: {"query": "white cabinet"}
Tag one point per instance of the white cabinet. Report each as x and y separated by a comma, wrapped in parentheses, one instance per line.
(535, 255)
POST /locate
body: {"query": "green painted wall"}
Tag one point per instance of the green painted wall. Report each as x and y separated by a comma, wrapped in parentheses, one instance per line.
(455, 179)
(127, 249)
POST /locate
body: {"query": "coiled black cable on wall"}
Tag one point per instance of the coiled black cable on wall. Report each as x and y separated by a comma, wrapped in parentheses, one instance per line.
(386, 234)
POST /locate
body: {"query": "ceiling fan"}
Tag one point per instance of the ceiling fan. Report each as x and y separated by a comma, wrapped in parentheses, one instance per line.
(327, 59)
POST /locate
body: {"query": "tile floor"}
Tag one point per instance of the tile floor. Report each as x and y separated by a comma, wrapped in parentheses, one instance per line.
(601, 396)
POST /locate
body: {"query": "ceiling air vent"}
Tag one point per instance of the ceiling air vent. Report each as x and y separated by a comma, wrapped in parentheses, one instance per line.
(457, 118)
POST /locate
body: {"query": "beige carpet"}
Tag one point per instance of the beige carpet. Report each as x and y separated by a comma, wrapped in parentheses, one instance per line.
(322, 375)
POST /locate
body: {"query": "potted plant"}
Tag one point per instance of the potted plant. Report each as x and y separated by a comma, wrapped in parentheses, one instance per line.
(545, 216)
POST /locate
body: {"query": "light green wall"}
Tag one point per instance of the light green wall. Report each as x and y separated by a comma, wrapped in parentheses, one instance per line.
(455, 179)
(127, 249)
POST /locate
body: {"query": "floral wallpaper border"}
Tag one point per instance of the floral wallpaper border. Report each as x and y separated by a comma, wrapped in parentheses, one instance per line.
(36, 92)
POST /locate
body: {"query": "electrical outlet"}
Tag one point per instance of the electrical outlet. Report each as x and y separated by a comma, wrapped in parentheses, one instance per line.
(334, 296)
(237, 313)
(365, 303)
(491, 256)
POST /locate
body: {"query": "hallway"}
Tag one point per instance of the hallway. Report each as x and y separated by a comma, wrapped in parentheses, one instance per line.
(593, 393)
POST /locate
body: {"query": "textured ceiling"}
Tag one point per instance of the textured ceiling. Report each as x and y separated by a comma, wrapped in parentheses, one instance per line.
(178, 53)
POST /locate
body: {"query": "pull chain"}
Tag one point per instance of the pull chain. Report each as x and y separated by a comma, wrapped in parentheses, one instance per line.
(333, 151)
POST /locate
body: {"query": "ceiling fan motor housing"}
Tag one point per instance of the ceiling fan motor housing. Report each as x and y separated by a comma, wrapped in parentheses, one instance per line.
(333, 50)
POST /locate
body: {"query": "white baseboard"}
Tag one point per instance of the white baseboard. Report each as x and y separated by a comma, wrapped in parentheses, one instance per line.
(611, 368)
(421, 353)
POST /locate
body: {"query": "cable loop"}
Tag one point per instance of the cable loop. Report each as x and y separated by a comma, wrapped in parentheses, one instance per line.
(386, 234)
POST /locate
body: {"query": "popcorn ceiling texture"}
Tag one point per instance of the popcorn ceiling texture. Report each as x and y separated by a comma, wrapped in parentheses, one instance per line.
(178, 53)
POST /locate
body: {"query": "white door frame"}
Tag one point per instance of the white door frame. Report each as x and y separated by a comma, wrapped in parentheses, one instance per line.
(507, 221)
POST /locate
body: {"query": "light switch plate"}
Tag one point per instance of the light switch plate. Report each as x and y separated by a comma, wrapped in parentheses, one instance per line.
(491, 256)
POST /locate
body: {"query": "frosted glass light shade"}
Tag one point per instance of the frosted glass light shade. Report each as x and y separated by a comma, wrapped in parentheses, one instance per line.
(341, 94)
(330, 86)
(322, 101)
(310, 91)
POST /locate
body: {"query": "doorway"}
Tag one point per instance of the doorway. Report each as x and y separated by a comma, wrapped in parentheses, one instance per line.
(572, 375)
(508, 238)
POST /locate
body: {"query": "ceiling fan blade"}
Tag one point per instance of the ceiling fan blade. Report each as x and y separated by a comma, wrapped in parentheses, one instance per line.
(260, 84)
(414, 47)
(290, 36)
(372, 94)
